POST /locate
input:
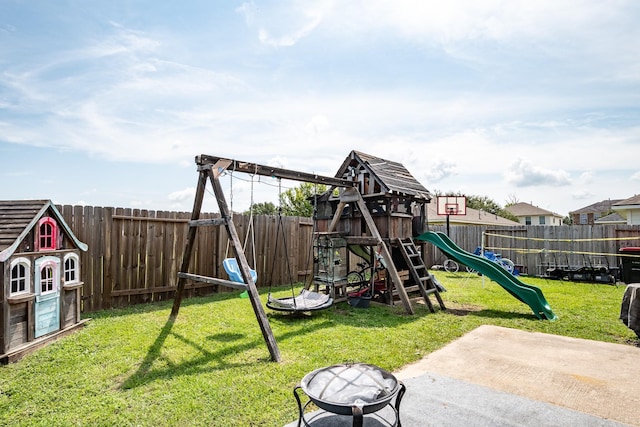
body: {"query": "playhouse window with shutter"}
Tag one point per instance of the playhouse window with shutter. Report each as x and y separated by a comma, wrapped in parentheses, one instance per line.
(46, 279)
(71, 268)
(20, 273)
(47, 232)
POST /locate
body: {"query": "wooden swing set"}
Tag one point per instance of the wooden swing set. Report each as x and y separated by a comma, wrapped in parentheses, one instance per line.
(211, 168)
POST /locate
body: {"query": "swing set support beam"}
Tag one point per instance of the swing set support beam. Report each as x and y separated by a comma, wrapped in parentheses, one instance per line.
(205, 161)
(212, 172)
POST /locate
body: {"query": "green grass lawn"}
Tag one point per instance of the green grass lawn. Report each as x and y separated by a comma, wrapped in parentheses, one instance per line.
(211, 366)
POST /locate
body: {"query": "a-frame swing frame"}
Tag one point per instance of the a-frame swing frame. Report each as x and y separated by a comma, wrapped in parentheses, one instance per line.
(210, 168)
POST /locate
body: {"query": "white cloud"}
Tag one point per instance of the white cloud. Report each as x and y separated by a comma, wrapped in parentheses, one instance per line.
(248, 10)
(124, 41)
(317, 124)
(522, 173)
(586, 177)
(141, 203)
(635, 176)
(440, 169)
(182, 195)
(278, 162)
(582, 195)
(287, 23)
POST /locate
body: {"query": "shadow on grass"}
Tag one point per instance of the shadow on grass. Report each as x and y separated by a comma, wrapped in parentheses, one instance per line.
(157, 366)
(225, 337)
(375, 315)
(147, 373)
(499, 314)
(150, 307)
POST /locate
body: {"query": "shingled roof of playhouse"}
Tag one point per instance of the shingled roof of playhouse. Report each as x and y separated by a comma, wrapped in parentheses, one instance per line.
(18, 217)
(392, 176)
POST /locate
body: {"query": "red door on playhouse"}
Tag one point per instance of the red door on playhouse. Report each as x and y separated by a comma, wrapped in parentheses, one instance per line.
(47, 287)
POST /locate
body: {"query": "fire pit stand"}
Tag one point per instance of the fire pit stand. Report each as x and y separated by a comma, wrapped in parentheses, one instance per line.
(351, 389)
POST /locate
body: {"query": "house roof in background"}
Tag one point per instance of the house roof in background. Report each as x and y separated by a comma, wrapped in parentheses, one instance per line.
(598, 207)
(634, 200)
(527, 209)
(18, 217)
(472, 217)
(612, 218)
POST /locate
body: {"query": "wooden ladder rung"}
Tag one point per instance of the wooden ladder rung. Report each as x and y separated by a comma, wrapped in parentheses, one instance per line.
(412, 288)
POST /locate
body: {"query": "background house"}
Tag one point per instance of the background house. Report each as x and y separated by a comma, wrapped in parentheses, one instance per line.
(588, 215)
(472, 217)
(629, 209)
(612, 218)
(529, 214)
(40, 286)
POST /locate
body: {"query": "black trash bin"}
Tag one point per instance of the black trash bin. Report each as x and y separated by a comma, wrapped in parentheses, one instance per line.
(630, 264)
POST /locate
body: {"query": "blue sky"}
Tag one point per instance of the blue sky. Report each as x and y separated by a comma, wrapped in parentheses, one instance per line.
(107, 103)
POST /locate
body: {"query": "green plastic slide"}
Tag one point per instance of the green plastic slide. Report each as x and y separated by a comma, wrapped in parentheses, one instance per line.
(528, 294)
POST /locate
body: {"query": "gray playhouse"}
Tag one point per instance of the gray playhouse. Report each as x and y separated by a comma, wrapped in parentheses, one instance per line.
(40, 284)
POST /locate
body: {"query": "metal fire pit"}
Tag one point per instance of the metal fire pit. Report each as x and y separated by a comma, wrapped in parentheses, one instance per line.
(350, 389)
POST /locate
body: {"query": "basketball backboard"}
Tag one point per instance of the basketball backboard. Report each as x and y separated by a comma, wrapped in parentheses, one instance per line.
(452, 205)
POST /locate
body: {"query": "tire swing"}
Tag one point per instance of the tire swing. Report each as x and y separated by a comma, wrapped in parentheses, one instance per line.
(306, 300)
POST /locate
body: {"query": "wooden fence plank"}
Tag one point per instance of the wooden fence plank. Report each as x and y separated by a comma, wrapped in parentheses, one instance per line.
(98, 243)
(168, 252)
(107, 282)
(119, 277)
(139, 260)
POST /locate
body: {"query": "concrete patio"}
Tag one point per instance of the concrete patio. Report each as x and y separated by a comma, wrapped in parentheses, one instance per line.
(496, 376)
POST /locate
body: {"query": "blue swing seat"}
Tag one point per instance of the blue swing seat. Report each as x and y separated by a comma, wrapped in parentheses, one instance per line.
(233, 270)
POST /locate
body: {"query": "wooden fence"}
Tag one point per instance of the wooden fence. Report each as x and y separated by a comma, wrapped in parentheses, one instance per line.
(536, 248)
(134, 255)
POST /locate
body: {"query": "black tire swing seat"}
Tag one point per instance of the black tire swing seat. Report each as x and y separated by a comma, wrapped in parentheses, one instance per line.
(306, 300)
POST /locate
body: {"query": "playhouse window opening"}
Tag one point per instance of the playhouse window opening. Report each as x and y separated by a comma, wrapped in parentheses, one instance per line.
(46, 279)
(19, 278)
(47, 234)
(70, 269)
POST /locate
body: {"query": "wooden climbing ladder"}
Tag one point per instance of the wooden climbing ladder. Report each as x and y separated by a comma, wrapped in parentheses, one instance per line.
(419, 273)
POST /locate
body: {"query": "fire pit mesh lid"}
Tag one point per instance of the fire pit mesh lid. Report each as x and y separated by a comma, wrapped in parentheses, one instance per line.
(349, 384)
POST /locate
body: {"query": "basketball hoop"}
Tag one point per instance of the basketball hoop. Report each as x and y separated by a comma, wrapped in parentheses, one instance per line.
(451, 208)
(452, 205)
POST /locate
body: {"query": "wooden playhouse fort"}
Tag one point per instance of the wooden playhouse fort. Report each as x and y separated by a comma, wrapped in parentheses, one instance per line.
(40, 286)
(375, 219)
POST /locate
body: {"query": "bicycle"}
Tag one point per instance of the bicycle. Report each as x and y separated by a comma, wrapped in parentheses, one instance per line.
(361, 278)
(362, 275)
(450, 266)
(505, 263)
